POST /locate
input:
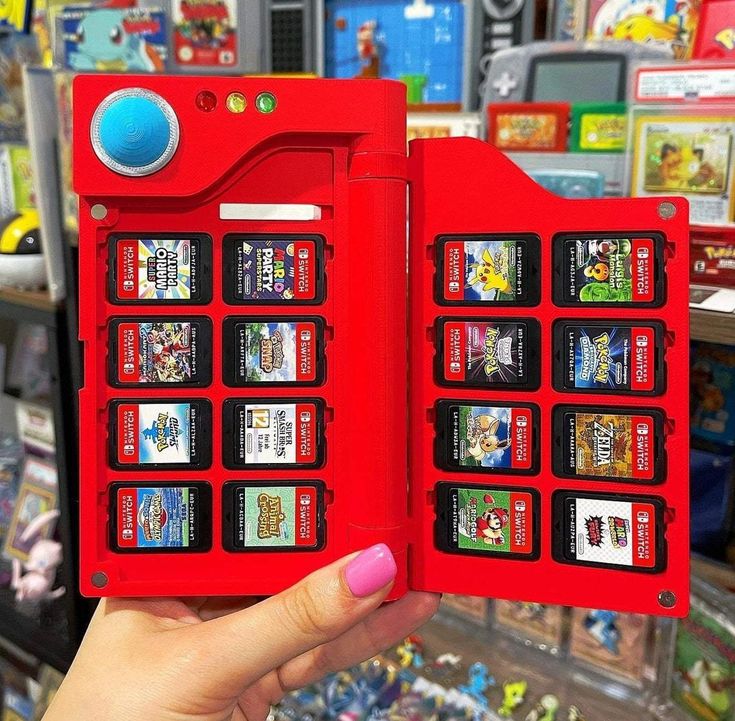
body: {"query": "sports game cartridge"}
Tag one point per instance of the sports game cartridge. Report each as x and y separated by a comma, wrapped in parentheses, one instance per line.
(167, 434)
(273, 516)
(160, 268)
(488, 520)
(609, 270)
(160, 351)
(487, 436)
(273, 269)
(609, 530)
(273, 351)
(609, 444)
(488, 270)
(260, 433)
(152, 517)
(609, 356)
(488, 352)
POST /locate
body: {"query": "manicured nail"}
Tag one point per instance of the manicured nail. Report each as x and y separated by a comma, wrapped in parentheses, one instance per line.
(367, 573)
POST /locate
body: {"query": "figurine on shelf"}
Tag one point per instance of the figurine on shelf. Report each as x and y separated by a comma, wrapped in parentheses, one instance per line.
(602, 626)
(479, 681)
(367, 50)
(446, 664)
(545, 710)
(411, 652)
(711, 682)
(575, 714)
(514, 693)
(33, 579)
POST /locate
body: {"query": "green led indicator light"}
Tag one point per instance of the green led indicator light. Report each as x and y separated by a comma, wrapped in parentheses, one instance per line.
(265, 102)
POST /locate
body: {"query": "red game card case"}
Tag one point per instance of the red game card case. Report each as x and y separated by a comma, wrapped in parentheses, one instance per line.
(462, 187)
(339, 146)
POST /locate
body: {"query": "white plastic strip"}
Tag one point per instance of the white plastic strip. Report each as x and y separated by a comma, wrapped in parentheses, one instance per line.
(269, 211)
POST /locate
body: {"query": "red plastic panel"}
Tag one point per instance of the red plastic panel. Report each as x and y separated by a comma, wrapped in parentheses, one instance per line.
(715, 34)
(463, 186)
(334, 144)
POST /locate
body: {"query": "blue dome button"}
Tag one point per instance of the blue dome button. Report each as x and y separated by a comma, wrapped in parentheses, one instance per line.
(134, 132)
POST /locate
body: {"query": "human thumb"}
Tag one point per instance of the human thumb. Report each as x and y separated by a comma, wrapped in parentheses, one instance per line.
(244, 646)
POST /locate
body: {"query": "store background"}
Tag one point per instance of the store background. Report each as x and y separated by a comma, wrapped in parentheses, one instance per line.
(565, 664)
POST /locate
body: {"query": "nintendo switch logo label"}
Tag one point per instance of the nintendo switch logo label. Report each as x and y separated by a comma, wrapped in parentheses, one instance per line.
(642, 271)
(644, 351)
(522, 438)
(643, 455)
(644, 535)
(454, 271)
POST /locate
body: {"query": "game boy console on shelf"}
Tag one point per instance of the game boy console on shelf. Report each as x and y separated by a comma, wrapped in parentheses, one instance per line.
(575, 72)
(610, 165)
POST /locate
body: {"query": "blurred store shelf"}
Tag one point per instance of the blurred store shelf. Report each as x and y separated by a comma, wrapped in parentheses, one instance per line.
(35, 299)
(712, 314)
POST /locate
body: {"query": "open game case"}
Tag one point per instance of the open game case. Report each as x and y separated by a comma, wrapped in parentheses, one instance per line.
(250, 352)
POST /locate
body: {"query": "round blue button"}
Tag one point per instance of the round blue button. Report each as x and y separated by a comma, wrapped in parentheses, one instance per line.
(135, 132)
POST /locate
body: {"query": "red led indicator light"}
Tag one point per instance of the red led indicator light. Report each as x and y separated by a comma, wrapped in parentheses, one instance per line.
(206, 101)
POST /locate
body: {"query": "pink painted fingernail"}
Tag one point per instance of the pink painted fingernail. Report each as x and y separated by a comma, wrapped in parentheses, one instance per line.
(374, 568)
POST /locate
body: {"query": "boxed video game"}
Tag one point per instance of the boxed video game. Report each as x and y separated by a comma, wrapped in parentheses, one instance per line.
(713, 257)
(111, 39)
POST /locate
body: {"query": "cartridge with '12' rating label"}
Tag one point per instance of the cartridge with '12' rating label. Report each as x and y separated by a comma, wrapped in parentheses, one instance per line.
(266, 433)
